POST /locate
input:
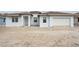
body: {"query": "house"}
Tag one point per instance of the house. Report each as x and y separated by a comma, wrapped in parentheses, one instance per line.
(39, 19)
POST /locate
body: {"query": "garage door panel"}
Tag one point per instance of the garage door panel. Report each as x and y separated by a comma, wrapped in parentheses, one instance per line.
(61, 22)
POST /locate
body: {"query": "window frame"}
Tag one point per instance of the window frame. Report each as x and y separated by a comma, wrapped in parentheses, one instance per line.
(4, 20)
(35, 19)
(14, 19)
(44, 20)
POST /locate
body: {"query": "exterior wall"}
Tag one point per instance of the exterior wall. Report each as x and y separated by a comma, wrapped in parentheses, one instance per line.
(10, 23)
(32, 20)
(19, 23)
(35, 15)
(49, 21)
(34, 23)
(52, 22)
(72, 21)
(29, 19)
(47, 24)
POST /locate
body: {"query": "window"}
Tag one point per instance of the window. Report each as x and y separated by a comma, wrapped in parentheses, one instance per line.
(15, 19)
(35, 19)
(44, 19)
(4, 19)
(12, 19)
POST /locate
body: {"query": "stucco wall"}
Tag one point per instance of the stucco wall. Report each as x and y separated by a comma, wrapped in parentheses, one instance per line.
(44, 24)
(34, 23)
(10, 23)
(51, 21)
(72, 21)
(32, 20)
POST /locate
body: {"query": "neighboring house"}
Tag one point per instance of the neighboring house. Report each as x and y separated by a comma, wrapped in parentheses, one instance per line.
(39, 19)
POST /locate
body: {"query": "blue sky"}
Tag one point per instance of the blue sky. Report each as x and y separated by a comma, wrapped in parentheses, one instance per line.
(39, 5)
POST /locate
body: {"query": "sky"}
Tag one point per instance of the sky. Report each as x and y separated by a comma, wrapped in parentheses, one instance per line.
(39, 5)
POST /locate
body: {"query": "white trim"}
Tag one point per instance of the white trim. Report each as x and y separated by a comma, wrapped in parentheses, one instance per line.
(72, 21)
(29, 22)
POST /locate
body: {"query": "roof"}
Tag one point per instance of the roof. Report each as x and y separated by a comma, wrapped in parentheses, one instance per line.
(24, 13)
(14, 14)
(35, 12)
(77, 14)
(56, 13)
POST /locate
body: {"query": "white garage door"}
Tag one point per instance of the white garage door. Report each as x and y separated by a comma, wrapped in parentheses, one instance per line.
(61, 21)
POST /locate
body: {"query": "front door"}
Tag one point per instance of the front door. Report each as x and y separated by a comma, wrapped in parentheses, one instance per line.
(26, 20)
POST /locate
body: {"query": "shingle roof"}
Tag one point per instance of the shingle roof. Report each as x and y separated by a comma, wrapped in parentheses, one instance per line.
(14, 14)
(36, 12)
(55, 13)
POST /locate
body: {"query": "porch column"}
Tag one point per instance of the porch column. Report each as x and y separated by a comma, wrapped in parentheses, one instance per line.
(29, 21)
(22, 20)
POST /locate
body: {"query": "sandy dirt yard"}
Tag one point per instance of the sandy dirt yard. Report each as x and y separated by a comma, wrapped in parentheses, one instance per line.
(39, 37)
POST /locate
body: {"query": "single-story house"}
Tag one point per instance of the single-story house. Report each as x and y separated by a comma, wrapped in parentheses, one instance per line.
(39, 19)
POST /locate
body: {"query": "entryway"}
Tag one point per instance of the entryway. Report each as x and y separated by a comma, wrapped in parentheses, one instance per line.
(25, 20)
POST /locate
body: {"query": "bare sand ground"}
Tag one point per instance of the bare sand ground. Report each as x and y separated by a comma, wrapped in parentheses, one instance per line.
(39, 37)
